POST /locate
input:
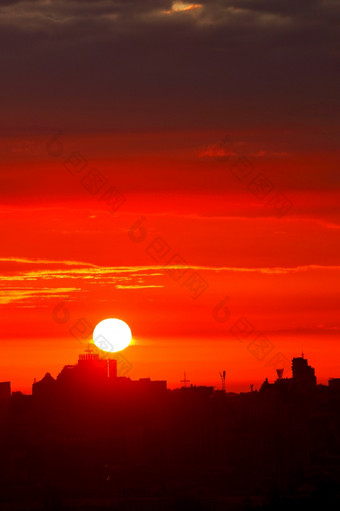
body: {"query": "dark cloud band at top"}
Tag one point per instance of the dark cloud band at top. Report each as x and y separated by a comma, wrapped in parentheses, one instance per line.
(160, 62)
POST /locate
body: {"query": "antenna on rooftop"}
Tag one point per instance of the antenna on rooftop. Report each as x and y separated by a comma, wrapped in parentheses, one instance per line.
(89, 348)
(222, 375)
(185, 381)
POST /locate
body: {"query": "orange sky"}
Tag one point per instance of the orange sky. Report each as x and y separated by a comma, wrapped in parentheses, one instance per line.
(65, 248)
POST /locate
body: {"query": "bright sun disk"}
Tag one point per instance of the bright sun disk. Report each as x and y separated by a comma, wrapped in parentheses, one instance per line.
(112, 335)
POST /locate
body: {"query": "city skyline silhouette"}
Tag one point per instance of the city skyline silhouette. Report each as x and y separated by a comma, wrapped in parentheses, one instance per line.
(107, 364)
(90, 438)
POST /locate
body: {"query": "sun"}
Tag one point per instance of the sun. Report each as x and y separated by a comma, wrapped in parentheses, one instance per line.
(112, 335)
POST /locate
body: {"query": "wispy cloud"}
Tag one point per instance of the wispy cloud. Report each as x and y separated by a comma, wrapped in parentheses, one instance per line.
(16, 286)
(181, 7)
(27, 294)
(120, 286)
(95, 272)
(26, 260)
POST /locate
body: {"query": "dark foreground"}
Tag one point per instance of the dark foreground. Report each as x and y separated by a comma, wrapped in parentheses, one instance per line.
(120, 446)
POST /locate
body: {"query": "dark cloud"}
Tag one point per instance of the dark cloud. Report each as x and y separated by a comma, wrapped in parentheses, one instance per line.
(134, 64)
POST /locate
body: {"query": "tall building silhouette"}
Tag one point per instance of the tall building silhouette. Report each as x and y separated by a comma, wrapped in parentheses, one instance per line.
(303, 374)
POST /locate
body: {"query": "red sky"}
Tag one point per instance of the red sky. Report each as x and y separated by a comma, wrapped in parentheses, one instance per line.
(62, 243)
(177, 113)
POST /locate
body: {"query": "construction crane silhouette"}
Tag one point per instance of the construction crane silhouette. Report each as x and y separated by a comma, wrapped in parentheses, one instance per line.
(222, 375)
(185, 381)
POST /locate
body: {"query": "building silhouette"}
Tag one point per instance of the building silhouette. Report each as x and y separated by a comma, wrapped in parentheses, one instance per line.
(303, 378)
(91, 377)
(90, 439)
(303, 374)
(334, 384)
(5, 390)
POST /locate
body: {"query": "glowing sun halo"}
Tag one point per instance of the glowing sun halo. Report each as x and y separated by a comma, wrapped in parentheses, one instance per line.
(112, 335)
